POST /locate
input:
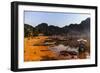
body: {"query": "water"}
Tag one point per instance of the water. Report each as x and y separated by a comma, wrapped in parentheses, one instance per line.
(61, 47)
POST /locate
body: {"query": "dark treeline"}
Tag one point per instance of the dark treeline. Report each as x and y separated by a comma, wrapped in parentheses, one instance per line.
(43, 28)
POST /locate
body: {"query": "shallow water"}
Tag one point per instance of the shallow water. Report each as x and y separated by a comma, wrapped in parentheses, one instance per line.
(61, 47)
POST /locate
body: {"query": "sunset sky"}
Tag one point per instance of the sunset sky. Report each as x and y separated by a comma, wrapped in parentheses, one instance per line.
(53, 18)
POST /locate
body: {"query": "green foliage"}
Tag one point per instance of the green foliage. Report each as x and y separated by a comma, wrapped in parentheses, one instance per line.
(28, 30)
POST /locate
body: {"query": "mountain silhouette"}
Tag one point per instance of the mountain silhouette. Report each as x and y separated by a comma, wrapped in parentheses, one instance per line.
(44, 28)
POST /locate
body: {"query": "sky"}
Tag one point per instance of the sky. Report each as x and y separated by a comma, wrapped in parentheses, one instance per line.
(53, 18)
